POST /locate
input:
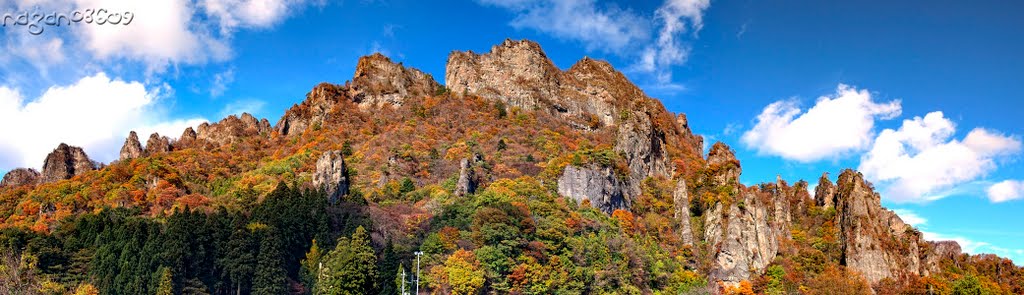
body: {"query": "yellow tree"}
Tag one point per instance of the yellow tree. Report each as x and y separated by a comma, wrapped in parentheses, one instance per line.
(463, 273)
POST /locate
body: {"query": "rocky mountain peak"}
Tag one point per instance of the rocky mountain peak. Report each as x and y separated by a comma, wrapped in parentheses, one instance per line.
(157, 144)
(824, 194)
(188, 137)
(378, 81)
(722, 160)
(232, 128)
(65, 162)
(313, 110)
(20, 176)
(132, 148)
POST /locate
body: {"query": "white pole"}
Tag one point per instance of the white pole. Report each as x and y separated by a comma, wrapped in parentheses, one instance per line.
(418, 254)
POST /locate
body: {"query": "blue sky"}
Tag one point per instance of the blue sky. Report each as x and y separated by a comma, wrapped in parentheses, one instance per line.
(924, 98)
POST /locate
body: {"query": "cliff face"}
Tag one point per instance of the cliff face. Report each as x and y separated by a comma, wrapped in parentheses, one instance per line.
(65, 162)
(874, 240)
(589, 95)
(231, 129)
(378, 82)
(739, 230)
(20, 176)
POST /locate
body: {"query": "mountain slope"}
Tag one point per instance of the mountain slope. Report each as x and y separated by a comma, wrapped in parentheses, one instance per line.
(530, 178)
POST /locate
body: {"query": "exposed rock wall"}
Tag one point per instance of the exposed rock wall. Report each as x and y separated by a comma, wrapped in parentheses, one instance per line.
(20, 176)
(231, 129)
(681, 203)
(65, 162)
(600, 186)
(132, 148)
(466, 183)
(331, 175)
(378, 81)
(157, 144)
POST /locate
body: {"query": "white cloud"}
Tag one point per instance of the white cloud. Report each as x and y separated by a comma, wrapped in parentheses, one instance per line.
(1006, 190)
(836, 124)
(669, 50)
(221, 81)
(967, 245)
(919, 160)
(249, 13)
(598, 28)
(973, 247)
(95, 113)
(161, 33)
(622, 32)
(253, 107)
(910, 217)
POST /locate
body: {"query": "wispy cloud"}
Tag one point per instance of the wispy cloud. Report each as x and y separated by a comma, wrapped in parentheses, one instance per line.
(221, 81)
(910, 217)
(656, 42)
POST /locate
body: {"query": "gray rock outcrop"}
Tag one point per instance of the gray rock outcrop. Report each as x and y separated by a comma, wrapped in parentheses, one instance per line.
(331, 175)
(65, 162)
(157, 144)
(466, 184)
(378, 81)
(232, 129)
(681, 203)
(132, 148)
(825, 192)
(600, 186)
(747, 241)
(20, 176)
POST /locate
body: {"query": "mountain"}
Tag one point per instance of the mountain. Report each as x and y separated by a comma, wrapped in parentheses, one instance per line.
(513, 177)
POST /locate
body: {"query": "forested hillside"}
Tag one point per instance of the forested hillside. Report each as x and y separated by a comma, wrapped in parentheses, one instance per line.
(514, 177)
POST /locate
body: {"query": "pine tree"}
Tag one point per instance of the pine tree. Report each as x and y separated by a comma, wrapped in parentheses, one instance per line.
(388, 268)
(311, 266)
(351, 268)
(166, 285)
(269, 278)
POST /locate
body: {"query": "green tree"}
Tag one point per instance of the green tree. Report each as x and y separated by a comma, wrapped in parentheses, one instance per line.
(388, 268)
(968, 285)
(311, 265)
(270, 276)
(351, 268)
(166, 286)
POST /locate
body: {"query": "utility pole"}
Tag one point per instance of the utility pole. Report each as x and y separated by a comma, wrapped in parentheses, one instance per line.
(418, 254)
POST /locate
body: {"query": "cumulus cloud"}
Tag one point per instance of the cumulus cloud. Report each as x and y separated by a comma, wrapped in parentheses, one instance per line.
(96, 113)
(1006, 190)
(919, 161)
(161, 33)
(910, 217)
(839, 123)
(657, 41)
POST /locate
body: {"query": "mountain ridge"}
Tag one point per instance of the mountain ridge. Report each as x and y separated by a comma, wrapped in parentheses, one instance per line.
(603, 143)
